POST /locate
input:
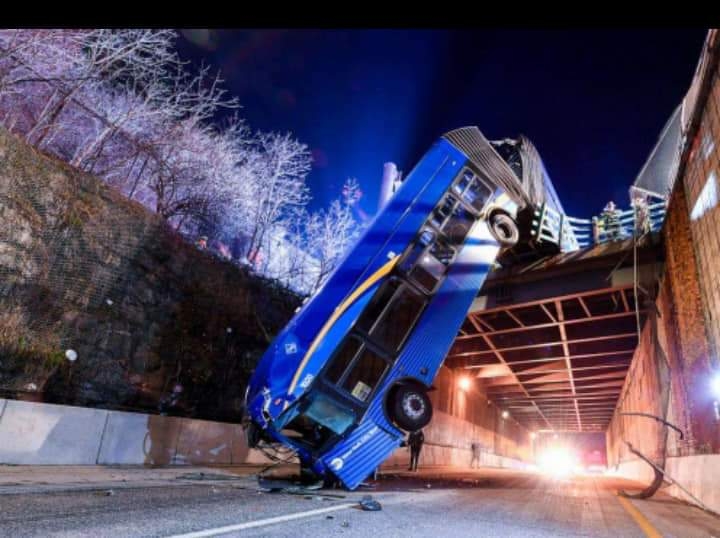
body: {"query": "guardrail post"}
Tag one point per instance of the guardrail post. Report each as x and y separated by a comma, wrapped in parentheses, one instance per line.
(540, 221)
(595, 231)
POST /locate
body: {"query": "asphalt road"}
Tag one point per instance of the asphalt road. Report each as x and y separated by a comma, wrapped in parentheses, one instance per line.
(431, 504)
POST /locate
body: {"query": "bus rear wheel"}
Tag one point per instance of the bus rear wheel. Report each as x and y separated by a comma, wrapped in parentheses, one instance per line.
(504, 229)
(410, 407)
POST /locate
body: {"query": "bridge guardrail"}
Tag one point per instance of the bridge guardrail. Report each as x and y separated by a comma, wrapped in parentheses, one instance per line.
(571, 233)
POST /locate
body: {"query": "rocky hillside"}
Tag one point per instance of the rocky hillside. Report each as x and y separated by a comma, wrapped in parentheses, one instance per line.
(155, 323)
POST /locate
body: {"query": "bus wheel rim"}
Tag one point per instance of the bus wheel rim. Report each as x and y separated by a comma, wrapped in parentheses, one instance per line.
(413, 406)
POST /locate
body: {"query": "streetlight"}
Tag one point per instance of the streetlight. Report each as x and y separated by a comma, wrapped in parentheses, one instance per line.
(464, 383)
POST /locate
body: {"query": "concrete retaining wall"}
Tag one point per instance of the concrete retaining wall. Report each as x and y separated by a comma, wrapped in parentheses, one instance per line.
(698, 474)
(44, 434)
(439, 455)
(447, 442)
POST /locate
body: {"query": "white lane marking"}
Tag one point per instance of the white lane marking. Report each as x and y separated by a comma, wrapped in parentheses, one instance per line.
(262, 522)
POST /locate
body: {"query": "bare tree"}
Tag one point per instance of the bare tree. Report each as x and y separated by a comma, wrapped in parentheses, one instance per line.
(77, 61)
(121, 104)
(277, 184)
(331, 232)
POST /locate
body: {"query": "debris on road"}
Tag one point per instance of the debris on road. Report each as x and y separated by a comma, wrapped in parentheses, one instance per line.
(105, 493)
(369, 504)
(274, 485)
(207, 476)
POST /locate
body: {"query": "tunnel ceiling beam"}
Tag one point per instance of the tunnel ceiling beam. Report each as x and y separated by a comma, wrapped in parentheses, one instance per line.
(557, 360)
(566, 351)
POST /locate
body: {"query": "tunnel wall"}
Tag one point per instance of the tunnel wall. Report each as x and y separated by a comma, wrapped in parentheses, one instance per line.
(461, 418)
(677, 356)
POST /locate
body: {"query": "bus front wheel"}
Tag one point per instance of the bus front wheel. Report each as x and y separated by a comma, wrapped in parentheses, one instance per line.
(504, 229)
(410, 407)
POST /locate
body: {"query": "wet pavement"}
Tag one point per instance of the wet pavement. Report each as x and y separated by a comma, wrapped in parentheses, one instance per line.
(195, 502)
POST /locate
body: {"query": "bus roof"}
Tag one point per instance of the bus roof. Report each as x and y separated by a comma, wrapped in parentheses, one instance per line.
(525, 178)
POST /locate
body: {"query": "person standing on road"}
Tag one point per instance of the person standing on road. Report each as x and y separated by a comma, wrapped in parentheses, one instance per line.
(475, 461)
(415, 442)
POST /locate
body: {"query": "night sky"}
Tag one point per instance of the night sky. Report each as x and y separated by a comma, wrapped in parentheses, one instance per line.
(592, 101)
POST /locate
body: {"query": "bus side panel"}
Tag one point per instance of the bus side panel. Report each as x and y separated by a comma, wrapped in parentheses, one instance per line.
(435, 332)
(360, 453)
(433, 336)
(407, 217)
(355, 457)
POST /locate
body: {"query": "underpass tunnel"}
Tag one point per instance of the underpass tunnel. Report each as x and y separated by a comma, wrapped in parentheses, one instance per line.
(606, 359)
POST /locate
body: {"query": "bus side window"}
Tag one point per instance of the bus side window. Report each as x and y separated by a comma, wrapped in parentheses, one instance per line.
(427, 261)
(377, 304)
(443, 252)
(458, 225)
(425, 238)
(472, 190)
(462, 183)
(365, 374)
(343, 357)
(429, 270)
(442, 211)
(398, 319)
(477, 194)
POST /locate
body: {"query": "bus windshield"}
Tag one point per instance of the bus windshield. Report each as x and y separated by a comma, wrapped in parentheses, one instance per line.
(317, 418)
(329, 413)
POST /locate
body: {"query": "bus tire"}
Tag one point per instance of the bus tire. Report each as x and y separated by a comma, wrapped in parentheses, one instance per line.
(504, 228)
(410, 407)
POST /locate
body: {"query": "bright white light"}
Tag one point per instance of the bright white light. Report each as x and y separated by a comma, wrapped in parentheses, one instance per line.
(715, 385)
(558, 462)
(707, 199)
(464, 383)
(533, 435)
(71, 355)
(505, 414)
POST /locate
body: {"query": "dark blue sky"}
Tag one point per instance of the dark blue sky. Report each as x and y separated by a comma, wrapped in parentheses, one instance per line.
(592, 101)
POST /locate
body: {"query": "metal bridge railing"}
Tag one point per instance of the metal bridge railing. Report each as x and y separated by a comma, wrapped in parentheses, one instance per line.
(571, 233)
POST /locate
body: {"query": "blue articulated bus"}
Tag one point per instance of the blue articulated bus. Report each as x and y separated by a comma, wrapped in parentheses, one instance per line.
(349, 375)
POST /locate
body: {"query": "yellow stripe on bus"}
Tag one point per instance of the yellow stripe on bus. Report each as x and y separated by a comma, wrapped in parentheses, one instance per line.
(342, 307)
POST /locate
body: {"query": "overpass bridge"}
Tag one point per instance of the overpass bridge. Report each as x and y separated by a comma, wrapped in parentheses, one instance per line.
(551, 340)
